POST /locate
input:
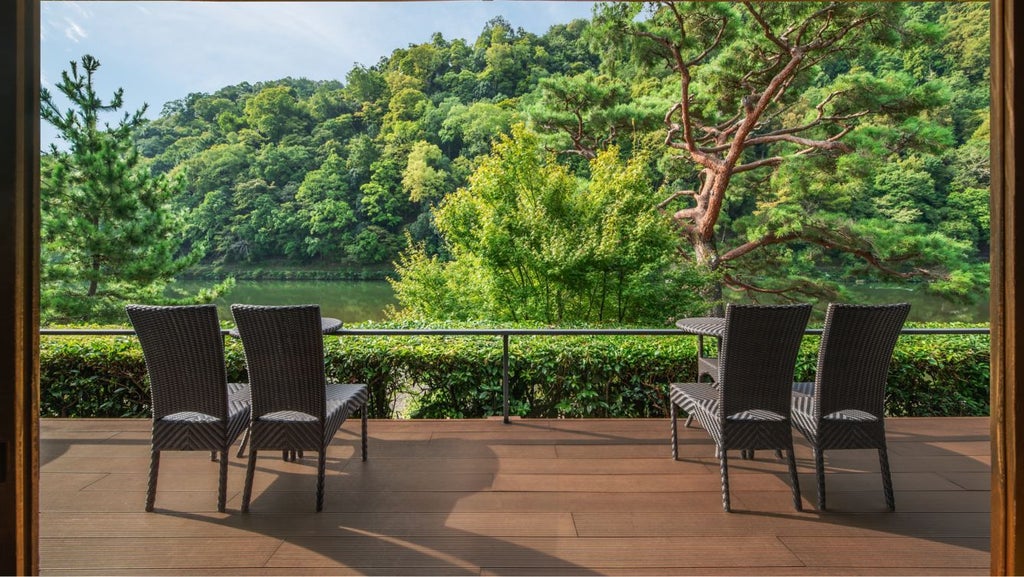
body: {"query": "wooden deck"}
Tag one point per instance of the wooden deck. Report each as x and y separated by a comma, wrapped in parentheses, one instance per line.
(480, 497)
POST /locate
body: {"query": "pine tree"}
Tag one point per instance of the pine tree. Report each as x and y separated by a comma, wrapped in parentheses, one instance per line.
(108, 232)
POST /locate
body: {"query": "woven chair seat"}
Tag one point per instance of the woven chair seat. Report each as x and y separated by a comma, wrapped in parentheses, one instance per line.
(191, 417)
(806, 389)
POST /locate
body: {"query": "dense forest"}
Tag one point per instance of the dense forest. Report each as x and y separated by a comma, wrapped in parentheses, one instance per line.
(625, 168)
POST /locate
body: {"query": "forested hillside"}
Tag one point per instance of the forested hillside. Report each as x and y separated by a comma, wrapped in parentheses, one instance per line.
(336, 172)
(870, 160)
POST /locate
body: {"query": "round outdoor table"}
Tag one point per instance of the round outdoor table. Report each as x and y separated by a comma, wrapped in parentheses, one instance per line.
(704, 327)
(328, 325)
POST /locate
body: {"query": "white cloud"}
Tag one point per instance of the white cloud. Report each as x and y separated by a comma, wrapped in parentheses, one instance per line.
(73, 31)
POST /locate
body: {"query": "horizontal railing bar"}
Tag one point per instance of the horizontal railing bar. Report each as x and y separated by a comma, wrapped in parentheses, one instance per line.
(512, 332)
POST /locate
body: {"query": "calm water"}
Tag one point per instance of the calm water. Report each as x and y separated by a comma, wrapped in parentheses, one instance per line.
(925, 307)
(359, 301)
(350, 301)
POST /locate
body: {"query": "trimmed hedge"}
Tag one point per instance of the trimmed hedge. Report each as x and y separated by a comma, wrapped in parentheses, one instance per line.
(550, 376)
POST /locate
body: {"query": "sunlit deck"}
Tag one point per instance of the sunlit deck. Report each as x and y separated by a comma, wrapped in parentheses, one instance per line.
(480, 497)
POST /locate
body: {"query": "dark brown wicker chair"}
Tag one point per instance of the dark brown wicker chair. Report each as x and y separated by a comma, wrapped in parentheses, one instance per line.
(844, 408)
(293, 407)
(748, 407)
(194, 407)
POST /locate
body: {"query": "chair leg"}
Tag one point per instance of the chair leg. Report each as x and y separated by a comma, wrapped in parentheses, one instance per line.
(689, 421)
(222, 484)
(213, 456)
(795, 480)
(673, 414)
(883, 461)
(723, 460)
(243, 442)
(819, 475)
(364, 417)
(250, 470)
(154, 468)
(321, 466)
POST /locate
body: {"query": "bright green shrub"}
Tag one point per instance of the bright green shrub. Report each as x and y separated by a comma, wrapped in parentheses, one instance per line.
(550, 376)
(92, 377)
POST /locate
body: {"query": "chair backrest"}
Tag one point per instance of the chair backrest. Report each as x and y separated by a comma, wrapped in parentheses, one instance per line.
(758, 356)
(184, 351)
(284, 354)
(853, 361)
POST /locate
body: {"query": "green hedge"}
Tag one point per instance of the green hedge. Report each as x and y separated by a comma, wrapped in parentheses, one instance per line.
(551, 376)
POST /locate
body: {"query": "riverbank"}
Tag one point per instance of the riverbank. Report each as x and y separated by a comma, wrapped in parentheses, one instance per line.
(269, 271)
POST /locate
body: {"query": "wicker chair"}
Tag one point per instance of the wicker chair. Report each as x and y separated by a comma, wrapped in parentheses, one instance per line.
(293, 407)
(194, 407)
(749, 408)
(844, 408)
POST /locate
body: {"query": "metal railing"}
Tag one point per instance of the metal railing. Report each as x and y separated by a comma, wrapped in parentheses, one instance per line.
(505, 334)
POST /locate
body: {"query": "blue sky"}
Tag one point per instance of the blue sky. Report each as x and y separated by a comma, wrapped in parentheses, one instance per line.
(162, 51)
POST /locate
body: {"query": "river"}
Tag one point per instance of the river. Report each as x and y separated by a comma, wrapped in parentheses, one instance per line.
(350, 301)
(359, 301)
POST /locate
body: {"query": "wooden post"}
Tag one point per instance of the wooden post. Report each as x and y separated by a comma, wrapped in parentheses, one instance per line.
(19, 280)
(1007, 411)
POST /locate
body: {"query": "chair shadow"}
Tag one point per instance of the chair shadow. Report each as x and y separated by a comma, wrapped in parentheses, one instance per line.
(377, 518)
(854, 487)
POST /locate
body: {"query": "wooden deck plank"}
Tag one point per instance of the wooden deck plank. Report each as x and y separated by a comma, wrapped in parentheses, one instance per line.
(874, 501)
(327, 524)
(581, 497)
(807, 524)
(622, 483)
(577, 553)
(948, 553)
(167, 553)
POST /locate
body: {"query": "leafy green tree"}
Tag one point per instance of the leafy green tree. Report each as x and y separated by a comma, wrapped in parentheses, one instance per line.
(325, 209)
(587, 113)
(275, 112)
(772, 88)
(548, 247)
(107, 228)
(425, 177)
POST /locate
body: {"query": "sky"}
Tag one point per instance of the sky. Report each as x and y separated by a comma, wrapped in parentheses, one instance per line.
(162, 51)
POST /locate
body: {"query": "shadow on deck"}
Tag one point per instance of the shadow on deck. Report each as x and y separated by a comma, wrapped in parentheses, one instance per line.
(480, 497)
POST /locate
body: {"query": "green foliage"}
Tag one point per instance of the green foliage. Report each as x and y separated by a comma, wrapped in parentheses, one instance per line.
(550, 376)
(92, 377)
(108, 231)
(784, 118)
(548, 247)
(871, 160)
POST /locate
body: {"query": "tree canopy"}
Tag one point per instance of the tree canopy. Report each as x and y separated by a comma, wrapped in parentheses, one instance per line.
(108, 231)
(793, 147)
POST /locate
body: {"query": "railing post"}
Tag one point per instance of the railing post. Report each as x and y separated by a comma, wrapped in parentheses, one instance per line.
(504, 375)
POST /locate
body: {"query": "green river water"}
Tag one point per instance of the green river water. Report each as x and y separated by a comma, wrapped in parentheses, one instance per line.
(360, 301)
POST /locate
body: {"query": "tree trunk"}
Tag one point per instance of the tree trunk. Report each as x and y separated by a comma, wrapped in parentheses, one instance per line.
(706, 253)
(94, 284)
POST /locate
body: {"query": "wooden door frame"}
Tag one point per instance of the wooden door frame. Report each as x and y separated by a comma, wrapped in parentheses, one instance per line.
(19, 281)
(1007, 411)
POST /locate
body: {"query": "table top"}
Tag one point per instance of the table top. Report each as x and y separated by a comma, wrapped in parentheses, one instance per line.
(708, 326)
(328, 325)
